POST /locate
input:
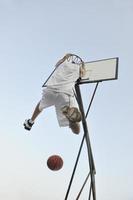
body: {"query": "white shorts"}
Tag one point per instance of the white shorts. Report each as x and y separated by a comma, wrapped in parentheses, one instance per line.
(59, 100)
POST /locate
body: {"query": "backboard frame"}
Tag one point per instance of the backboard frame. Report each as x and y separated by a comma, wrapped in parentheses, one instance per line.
(115, 73)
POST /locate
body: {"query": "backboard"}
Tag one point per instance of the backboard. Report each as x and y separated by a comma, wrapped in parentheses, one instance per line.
(100, 70)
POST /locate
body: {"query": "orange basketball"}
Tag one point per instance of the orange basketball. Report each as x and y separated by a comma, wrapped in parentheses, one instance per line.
(55, 162)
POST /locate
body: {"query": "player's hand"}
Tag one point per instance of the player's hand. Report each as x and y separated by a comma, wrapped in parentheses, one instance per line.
(82, 71)
(67, 56)
(63, 59)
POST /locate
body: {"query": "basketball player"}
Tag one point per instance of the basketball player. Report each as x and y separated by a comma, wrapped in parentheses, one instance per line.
(59, 92)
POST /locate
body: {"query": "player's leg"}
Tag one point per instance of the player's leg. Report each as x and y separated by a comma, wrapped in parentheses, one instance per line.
(36, 112)
(48, 98)
(29, 122)
(75, 127)
(72, 113)
(67, 101)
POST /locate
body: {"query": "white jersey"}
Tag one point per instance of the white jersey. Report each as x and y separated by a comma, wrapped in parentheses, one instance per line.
(64, 78)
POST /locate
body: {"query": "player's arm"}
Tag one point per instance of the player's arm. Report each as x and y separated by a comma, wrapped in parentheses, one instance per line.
(63, 59)
(82, 71)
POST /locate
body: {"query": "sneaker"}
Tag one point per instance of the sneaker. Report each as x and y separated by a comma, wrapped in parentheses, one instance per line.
(75, 127)
(28, 124)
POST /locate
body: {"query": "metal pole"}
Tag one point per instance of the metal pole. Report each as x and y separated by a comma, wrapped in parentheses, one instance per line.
(75, 166)
(90, 156)
(92, 99)
(83, 186)
(81, 145)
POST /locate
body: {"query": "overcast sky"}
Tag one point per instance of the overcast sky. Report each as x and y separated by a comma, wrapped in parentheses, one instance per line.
(33, 36)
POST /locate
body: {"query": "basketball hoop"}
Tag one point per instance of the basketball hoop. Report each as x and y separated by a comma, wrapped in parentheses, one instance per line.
(75, 59)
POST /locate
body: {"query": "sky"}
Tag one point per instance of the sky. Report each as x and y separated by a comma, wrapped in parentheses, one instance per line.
(33, 36)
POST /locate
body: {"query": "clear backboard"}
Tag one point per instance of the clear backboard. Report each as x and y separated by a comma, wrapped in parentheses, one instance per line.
(101, 70)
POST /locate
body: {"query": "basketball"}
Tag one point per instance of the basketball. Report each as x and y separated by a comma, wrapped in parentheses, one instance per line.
(55, 162)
